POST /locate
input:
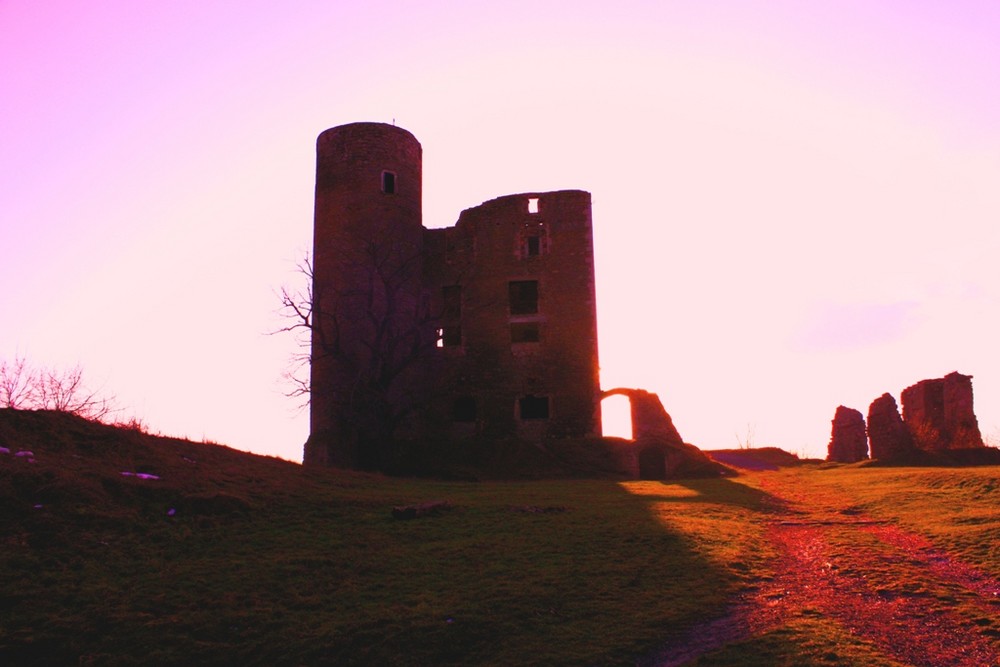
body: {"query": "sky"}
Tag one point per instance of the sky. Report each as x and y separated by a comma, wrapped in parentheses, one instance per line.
(795, 202)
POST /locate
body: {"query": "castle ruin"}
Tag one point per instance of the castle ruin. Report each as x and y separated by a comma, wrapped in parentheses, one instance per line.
(487, 328)
(937, 417)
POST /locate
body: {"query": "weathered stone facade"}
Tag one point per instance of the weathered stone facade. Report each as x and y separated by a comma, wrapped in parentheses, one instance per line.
(940, 415)
(848, 440)
(485, 329)
(888, 437)
(937, 418)
(657, 450)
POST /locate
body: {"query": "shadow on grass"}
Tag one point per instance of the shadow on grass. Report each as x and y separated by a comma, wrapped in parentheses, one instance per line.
(313, 569)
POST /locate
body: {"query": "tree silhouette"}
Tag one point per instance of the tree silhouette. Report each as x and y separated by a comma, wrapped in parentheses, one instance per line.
(24, 387)
(369, 332)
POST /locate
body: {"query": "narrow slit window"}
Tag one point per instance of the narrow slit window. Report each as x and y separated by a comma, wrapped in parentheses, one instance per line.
(533, 407)
(388, 182)
(523, 297)
(533, 246)
(532, 204)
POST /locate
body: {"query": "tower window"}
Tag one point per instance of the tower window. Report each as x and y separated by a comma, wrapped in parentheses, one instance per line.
(388, 182)
(449, 336)
(533, 407)
(533, 246)
(524, 332)
(464, 409)
(523, 297)
(532, 204)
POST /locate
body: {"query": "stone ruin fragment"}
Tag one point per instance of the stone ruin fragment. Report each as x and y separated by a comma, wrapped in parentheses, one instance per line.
(888, 437)
(937, 417)
(657, 450)
(848, 440)
(939, 414)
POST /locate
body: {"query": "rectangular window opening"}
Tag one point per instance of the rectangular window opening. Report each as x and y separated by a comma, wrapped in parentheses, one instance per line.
(523, 297)
(533, 246)
(524, 332)
(388, 182)
(533, 407)
(449, 336)
(464, 409)
(532, 204)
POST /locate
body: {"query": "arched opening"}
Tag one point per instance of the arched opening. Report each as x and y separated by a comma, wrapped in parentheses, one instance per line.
(616, 417)
(652, 463)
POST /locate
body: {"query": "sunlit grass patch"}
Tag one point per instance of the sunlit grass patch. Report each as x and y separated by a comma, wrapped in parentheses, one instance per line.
(721, 519)
(659, 489)
(958, 509)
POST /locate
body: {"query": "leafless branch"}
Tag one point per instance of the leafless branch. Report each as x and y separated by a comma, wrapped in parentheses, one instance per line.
(17, 384)
(25, 387)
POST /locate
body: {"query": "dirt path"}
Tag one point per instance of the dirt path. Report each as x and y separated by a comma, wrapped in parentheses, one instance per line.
(883, 584)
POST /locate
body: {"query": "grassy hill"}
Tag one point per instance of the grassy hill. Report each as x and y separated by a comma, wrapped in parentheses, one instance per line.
(122, 548)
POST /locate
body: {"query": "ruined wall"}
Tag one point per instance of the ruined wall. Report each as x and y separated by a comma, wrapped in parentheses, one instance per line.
(657, 450)
(888, 437)
(937, 417)
(487, 328)
(521, 349)
(848, 439)
(940, 415)
(649, 418)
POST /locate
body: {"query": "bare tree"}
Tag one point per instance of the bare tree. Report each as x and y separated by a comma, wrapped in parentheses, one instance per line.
(27, 388)
(297, 309)
(65, 391)
(369, 333)
(18, 384)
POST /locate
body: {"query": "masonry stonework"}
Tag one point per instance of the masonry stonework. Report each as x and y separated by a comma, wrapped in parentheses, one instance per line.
(888, 437)
(939, 413)
(484, 329)
(848, 439)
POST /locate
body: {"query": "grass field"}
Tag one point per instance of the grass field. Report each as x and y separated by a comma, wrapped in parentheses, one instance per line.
(229, 558)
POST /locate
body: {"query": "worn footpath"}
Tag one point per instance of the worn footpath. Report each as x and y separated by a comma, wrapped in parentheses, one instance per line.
(885, 585)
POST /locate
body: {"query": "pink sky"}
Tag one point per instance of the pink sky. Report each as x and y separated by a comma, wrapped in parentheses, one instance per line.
(795, 203)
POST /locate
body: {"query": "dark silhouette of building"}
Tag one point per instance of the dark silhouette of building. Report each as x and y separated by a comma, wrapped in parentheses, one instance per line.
(940, 415)
(484, 329)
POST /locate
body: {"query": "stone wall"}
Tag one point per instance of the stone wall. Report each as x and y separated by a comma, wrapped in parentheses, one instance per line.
(888, 437)
(937, 417)
(939, 413)
(848, 440)
(485, 329)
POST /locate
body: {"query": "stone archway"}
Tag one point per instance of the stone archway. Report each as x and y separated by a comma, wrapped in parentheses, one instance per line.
(649, 418)
(656, 450)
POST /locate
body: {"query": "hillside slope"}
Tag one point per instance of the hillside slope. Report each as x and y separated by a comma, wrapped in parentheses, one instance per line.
(120, 548)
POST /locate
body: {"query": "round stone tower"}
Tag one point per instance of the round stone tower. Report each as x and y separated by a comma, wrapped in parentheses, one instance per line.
(367, 262)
